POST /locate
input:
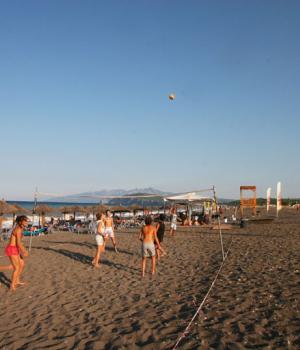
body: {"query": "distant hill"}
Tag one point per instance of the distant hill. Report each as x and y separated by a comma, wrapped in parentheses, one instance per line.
(95, 197)
(141, 202)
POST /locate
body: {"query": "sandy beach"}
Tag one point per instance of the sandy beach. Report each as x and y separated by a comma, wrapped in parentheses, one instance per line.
(70, 305)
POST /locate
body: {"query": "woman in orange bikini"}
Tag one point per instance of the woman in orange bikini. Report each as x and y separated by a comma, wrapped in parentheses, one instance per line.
(16, 251)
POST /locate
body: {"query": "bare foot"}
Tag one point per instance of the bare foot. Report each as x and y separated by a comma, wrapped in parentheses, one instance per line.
(96, 266)
(116, 250)
(12, 289)
(21, 283)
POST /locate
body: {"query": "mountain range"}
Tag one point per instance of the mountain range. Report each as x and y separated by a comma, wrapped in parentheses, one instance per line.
(95, 196)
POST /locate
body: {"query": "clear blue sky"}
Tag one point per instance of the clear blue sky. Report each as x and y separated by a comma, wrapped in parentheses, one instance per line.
(84, 95)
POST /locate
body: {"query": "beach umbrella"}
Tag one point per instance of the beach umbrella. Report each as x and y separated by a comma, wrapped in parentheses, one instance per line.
(100, 208)
(146, 210)
(18, 210)
(76, 209)
(88, 210)
(42, 210)
(134, 208)
(118, 209)
(85, 210)
(5, 208)
(95, 209)
(91, 209)
(65, 210)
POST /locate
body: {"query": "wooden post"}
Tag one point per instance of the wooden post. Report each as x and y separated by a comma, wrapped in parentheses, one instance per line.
(241, 201)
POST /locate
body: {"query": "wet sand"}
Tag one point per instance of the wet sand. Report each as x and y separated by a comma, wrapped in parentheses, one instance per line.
(68, 304)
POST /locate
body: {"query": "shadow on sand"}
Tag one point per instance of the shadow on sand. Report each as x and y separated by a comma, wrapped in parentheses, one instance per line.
(86, 259)
(92, 246)
(4, 280)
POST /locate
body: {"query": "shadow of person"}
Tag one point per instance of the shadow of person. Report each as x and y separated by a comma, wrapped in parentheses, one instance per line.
(81, 244)
(4, 280)
(85, 259)
(122, 251)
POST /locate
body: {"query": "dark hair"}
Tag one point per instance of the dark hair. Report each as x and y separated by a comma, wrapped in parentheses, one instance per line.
(162, 217)
(21, 218)
(98, 216)
(148, 220)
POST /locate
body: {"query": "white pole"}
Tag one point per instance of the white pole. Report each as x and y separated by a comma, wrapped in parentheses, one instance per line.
(219, 223)
(268, 198)
(30, 242)
(35, 205)
(279, 198)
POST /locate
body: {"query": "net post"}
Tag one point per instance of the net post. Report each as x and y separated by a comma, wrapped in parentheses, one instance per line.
(33, 213)
(219, 222)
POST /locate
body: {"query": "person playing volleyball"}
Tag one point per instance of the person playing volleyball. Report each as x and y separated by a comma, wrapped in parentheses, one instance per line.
(109, 229)
(99, 231)
(16, 251)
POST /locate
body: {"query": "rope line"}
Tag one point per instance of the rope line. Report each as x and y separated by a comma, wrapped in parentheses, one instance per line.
(185, 332)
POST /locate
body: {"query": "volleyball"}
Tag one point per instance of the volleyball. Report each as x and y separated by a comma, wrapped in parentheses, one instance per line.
(172, 97)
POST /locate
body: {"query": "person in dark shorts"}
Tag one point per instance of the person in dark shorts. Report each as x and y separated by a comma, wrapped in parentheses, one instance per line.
(160, 231)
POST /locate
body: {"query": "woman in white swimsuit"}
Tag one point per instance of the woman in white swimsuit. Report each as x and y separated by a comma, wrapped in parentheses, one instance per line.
(99, 231)
(173, 222)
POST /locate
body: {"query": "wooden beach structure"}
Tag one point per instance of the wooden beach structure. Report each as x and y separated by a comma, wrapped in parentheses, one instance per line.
(248, 202)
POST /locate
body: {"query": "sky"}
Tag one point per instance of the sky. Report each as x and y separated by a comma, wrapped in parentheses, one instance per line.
(84, 91)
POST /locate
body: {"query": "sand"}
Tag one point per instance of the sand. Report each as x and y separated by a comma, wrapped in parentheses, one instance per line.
(70, 305)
